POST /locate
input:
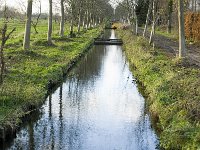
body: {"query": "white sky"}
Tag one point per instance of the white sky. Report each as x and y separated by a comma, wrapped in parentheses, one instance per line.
(114, 2)
(21, 4)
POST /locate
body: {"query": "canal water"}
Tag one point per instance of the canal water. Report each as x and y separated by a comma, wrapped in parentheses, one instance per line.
(98, 107)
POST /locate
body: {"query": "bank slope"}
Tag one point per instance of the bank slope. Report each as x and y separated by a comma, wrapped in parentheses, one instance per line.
(173, 92)
(30, 74)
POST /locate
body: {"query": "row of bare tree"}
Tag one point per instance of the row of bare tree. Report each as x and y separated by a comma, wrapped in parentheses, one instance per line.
(194, 5)
(166, 12)
(84, 13)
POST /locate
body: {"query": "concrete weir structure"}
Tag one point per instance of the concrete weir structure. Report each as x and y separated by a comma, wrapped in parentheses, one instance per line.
(101, 41)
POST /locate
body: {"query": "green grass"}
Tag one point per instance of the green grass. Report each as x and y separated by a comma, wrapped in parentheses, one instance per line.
(162, 30)
(28, 73)
(173, 92)
(173, 35)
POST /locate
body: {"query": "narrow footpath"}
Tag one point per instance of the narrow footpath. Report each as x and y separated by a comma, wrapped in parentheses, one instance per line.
(171, 47)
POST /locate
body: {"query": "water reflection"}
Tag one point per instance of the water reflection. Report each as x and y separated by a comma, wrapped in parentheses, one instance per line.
(98, 108)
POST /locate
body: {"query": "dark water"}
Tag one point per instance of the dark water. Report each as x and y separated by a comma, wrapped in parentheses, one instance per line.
(98, 107)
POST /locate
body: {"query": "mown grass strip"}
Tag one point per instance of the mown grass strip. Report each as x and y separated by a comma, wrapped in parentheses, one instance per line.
(29, 73)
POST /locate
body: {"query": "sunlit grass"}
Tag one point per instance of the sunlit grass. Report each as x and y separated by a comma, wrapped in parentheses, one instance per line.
(173, 92)
(29, 72)
(163, 31)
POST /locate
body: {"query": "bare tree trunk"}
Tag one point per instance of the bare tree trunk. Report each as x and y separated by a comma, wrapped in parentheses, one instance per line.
(34, 24)
(136, 25)
(2, 64)
(154, 22)
(79, 17)
(99, 22)
(95, 21)
(72, 28)
(72, 20)
(170, 9)
(26, 43)
(79, 23)
(195, 5)
(87, 20)
(152, 33)
(90, 20)
(4, 39)
(84, 21)
(136, 21)
(35, 28)
(182, 48)
(94, 18)
(192, 5)
(128, 19)
(62, 22)
(49, 35)
(147, 18)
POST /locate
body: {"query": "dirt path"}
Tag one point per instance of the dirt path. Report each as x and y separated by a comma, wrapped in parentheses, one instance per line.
(171, 46)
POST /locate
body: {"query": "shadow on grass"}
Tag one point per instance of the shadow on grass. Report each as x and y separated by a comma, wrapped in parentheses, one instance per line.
(43, 43)
(16, 55)
(63, 39)
(69, 47)
(16, 44)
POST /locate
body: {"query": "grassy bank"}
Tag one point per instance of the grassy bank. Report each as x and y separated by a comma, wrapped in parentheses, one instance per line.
(173, 92)
(29, 74)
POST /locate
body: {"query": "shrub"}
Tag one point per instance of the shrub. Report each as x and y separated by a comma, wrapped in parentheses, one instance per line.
(192, 26)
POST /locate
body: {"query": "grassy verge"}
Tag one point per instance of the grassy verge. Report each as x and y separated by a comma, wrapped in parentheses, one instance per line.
(173, 92)
(29, 74)
(173, 35)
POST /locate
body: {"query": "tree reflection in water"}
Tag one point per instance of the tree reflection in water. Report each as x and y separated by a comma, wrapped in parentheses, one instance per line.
(97, 107)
